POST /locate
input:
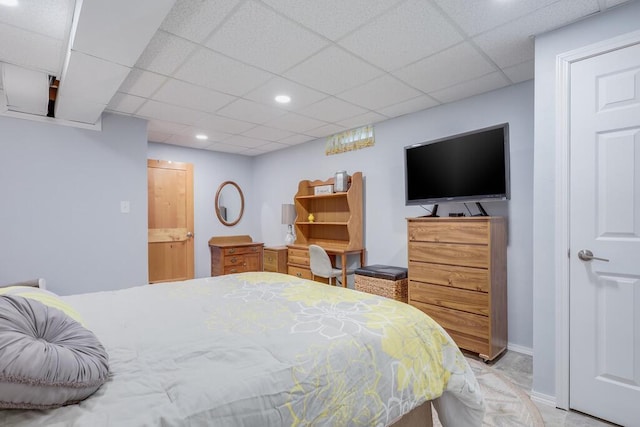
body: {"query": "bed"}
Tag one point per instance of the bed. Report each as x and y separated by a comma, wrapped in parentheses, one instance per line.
(265, 349)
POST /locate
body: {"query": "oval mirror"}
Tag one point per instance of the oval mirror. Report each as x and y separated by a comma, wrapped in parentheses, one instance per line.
(229, 203)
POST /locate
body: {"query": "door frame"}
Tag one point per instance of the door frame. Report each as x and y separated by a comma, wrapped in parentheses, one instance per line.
(562, 190)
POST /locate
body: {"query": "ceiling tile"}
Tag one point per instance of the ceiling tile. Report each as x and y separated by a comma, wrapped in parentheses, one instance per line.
(137, 21)
(250, 111)
(362, 120)
(447, 68)
(521, 72)
(245, 141)
(190, 96)
(123, 103)
(216, 71)
(187, 141)
(91, 78)
(267, 133)
(173, 113)
(301, 96)
(142, 83)
(256, 35)
(332, 110)
(224, 124)
(50, 18)
(225, 148)
(479, 16)
(332, 18)
(295, 123)
(413, 30)
(31, 50)
(154, 136)
(195, 19)
(296, 139)
(333, 70)
(78, 110)
(326, 130)
(512, 43)
(480, 85)
(165, 53)
(212, 134)
(165, 126)
(416, 104)
(378, 93)
(271, 146)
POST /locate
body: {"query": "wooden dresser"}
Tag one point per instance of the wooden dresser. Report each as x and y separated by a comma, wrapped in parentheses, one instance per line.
(234, 254)
(458, 276)
(275, 259)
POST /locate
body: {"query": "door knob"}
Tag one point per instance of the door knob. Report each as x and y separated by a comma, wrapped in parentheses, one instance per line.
(189, 234)
(587, 255)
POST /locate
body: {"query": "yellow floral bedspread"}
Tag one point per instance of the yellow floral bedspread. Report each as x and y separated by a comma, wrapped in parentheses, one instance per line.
(265, 349)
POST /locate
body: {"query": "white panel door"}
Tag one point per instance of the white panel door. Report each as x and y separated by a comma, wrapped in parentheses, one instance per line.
(605, 219)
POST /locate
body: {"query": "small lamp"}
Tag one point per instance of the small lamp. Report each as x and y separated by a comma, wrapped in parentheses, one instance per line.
(289, 217)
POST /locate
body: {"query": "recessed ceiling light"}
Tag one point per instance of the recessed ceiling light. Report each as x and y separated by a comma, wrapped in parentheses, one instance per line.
(283, 99)
(9, 2)
(202, 137)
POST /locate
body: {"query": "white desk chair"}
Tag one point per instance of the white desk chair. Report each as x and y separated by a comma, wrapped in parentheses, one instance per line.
(321, 266)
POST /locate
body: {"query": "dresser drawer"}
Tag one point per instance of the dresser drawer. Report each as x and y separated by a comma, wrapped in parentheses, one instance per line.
(444, 296)
(450, 254)
(475, 279)
(231, 269)
(453, 231)
(302, 273)
(469, 331)
(239, 250)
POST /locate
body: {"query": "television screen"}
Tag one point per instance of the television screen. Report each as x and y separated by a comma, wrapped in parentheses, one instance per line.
(473, 166)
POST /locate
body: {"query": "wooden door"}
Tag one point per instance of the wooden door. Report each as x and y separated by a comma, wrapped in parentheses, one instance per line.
(170, 193)
(604, 337)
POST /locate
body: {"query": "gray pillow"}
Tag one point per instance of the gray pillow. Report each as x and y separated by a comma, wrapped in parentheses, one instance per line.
(47, 359)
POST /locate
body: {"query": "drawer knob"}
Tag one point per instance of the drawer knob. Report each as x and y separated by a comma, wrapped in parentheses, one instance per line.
(232, 250)
(234, 260)
(299, 274)
(233, 270)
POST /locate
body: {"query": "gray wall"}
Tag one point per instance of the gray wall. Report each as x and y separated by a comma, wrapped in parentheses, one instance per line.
(209, 171)
(276, 176)
(60, 193)
(601, 27)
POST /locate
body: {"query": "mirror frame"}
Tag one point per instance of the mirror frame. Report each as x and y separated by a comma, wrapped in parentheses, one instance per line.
(218, 214)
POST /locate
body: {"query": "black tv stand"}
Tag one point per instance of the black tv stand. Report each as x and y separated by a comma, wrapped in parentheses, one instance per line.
(433, 214)
(481, 209)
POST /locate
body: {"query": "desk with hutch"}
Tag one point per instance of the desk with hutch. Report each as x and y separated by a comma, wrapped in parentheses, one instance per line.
(336, 226)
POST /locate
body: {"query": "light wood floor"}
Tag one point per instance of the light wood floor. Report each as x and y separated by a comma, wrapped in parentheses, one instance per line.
(519, 368)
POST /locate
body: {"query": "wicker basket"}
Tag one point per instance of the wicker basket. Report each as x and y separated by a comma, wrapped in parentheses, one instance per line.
(384, 280)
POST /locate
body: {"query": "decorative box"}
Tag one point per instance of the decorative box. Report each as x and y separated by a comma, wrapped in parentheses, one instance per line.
(323, 189)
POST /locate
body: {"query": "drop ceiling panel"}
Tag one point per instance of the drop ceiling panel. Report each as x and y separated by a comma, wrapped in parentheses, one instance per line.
(332, 18)
(506, 45)
(326, 130)
(244, 141)
(332, 71)
(301, 96)
(187, 141)
(447, 68)
(191, 96)
(30, 50)
(477, 17)
(137, 21)
(267, 133)
(250, 111)
(216, 71)
(295, 123)
(90, 78)
(419, 103)
(362, 120)
(381, 92)
(165, 53)
(154, 136)
(413, 30)
(332, 110)
(124, 103)
(173, 113)
(225, 148)
(521, 72)
(195, 19)
(78, 110)
(50, 18)
(473, 87)
(165, 126)
(256, 35)
(27, 90)
(142, 83)
(224, 124)
(296, 139)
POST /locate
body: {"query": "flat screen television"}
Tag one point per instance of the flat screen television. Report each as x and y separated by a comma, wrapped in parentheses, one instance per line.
(469, 167)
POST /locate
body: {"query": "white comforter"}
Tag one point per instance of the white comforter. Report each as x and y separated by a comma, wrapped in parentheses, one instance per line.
(264, 349)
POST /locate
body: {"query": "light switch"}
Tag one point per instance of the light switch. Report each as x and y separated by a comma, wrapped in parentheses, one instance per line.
(124, 206)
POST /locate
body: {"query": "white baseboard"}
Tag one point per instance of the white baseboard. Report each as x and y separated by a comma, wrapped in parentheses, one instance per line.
(520, 349)
(544, 399)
